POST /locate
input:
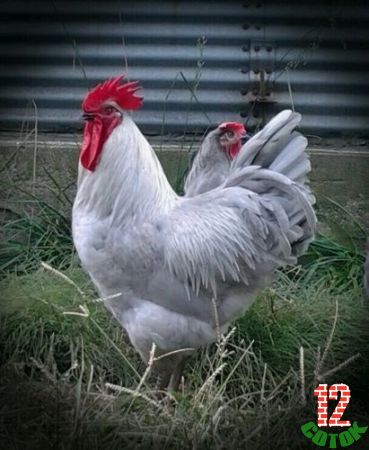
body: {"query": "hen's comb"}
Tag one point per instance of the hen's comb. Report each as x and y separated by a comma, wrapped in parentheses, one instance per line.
(234, 126)
(121, 93)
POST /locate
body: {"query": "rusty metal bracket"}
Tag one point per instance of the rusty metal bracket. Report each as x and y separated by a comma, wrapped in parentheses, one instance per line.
(262, 65)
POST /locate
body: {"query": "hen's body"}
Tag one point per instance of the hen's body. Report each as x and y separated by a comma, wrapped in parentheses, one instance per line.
(164, 258)
(211, 164)
(209, 167)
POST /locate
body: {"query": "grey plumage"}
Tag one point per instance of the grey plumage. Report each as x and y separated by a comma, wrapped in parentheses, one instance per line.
(167, 256)
(209, 168)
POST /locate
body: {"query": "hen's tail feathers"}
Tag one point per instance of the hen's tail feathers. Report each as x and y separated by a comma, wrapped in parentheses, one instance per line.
(274, 164)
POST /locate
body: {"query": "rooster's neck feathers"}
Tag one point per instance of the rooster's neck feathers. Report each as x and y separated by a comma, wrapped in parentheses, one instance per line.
(129, 182)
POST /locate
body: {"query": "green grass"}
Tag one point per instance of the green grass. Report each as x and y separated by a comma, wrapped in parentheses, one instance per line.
(33, 237)
(70, 379)
(36, 231)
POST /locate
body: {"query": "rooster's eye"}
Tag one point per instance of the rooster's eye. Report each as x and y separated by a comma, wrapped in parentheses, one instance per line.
(109, 110)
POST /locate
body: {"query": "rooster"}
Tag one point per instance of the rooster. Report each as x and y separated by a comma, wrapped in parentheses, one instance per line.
(211, 164)
(176, 271)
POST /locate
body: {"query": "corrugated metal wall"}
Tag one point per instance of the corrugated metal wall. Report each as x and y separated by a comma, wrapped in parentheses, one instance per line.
(200, 62)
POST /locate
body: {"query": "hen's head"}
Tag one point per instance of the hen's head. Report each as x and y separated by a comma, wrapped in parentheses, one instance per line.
(103, 110)
(231, 134)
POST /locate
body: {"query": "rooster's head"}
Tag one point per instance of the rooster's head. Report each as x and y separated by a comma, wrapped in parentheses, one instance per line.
(231, 134)
(103, 109)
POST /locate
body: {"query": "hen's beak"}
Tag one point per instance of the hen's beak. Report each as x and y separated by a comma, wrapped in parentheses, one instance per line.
(245, 137)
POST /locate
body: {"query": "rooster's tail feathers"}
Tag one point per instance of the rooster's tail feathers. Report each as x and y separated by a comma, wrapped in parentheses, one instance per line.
(278, 148)
(274, 164)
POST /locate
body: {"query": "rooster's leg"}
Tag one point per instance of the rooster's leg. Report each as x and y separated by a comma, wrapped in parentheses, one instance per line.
(162, 381)
(175, 379)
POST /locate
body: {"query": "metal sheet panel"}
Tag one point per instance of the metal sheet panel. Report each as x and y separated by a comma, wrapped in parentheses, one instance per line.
(199, 63)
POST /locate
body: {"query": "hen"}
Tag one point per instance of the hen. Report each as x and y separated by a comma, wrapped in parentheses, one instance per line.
(211, 164)
(174, 268)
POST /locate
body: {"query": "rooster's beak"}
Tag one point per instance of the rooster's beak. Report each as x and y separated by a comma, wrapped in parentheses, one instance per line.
(87, 116)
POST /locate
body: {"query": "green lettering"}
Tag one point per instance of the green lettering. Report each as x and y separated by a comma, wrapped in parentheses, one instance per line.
(345, 439)
(320, 438)
(332, 440)
(356, 431)
(307, 428)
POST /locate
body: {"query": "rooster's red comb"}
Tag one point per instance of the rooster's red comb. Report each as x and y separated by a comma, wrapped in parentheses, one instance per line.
(121, 93)
(234, 126)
